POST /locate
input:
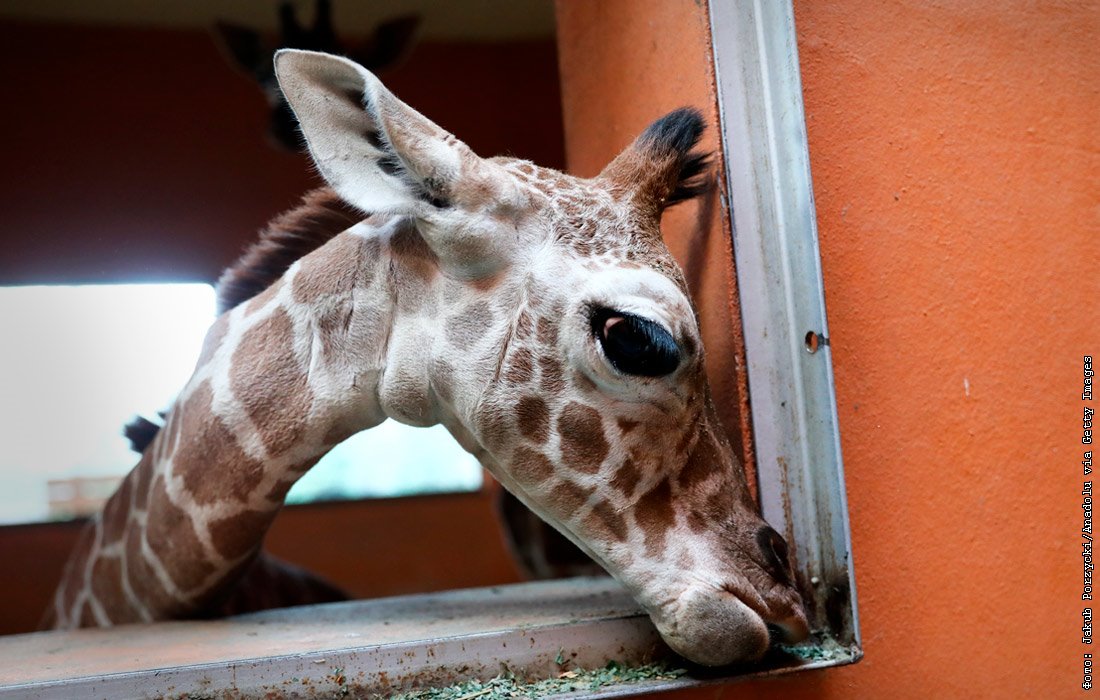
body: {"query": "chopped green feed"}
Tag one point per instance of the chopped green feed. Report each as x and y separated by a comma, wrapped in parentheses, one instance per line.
(819, 649)
(505, 686)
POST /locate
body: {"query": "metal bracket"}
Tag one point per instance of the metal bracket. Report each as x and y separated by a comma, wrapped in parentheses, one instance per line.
(787, 342)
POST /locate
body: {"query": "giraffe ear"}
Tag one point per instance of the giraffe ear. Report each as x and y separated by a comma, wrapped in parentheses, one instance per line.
(378, 153)
(660, 169)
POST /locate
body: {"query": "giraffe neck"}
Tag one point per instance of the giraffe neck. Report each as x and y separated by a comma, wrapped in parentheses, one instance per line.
(281, 379)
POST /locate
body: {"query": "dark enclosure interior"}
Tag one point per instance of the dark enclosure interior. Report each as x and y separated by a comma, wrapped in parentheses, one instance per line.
(136, 152)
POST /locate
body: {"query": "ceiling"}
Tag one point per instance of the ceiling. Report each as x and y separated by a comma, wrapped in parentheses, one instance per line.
(469, 20)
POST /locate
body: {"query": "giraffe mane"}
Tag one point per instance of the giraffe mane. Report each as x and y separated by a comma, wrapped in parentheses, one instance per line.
(295, 233)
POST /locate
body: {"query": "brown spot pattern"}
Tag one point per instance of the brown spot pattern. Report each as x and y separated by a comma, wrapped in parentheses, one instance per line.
(207, 448)
(278, 491)
(550, 379)
(533, 418)
(239, 534)
(547, 332)
(467, 327)
(334, 268)
(583, 445)
(338, 432)
(370, 327)
(523, 325)
(655, 515)
(688, 435)
(213, 340)
(87, 618)
(371, 249)
(171, 535)
(570, 497)
(704, 461)
(117, 510)
(685, 560)
(165, 441)
(143, 581)
(531, 467)
(270, 384)
(74, 570)
(717, 509)
(413, 268)
(107, 589)
(493, 425)
(626, 425)
(626, 478)
(520, 367)
(605, 522)
(144, 473)
(333, 326)
(410, 247)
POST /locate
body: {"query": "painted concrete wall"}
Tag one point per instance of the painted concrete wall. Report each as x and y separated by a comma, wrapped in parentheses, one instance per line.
(955, 169)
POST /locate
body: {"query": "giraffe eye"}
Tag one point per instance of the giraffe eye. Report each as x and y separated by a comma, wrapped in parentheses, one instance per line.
(635, 345)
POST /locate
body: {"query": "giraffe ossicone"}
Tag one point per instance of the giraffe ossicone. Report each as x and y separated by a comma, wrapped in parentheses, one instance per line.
(538, 316)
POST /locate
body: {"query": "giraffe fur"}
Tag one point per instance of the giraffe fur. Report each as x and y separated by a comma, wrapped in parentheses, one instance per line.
(466, 296)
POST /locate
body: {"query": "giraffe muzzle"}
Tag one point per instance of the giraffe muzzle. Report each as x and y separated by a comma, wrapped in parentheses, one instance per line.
(714, 627)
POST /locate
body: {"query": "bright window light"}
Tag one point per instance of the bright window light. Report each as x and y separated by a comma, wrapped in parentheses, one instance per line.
(390, 460)
(78, 362)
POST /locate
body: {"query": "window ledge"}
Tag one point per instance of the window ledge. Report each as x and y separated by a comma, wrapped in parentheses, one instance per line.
(368, 647)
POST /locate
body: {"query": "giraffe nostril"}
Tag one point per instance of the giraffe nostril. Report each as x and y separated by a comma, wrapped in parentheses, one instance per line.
(790, 631)
(776, 558)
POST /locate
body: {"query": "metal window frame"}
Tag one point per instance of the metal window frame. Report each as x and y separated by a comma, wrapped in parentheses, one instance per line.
(770, 196)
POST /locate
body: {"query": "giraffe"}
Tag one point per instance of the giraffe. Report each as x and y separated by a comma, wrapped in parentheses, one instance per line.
(390, 42)
(537, 315)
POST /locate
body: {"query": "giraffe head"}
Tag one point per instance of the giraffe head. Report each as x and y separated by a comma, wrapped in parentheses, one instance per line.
(552, 333)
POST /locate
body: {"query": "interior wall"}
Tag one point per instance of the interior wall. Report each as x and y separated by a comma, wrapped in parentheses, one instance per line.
(954, 165)
(139, 154)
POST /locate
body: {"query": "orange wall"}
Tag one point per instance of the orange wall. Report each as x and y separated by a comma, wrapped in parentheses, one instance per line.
(955, 170)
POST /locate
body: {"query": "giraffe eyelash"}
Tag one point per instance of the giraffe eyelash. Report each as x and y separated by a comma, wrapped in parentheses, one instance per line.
(635, 345)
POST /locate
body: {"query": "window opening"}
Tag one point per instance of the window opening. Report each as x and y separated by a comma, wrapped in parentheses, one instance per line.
(80, 361)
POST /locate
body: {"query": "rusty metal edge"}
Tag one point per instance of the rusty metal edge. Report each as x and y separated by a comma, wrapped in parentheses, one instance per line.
(363, 671)
(845, 658)
(373, 669)
(770, 195)
(532, 651)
